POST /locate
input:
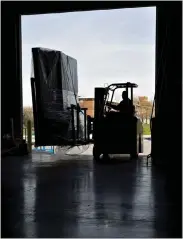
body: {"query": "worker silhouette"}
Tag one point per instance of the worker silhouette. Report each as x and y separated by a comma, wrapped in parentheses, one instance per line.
(125, 106)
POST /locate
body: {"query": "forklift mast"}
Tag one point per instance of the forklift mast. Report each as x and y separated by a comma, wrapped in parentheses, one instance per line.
(98, 106)
(99, 102)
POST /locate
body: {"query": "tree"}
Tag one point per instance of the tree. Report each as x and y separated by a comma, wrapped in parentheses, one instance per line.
(143, 107)
(27, 115)
(137, 105)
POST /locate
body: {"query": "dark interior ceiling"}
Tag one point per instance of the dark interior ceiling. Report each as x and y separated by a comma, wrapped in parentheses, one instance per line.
(28, 8)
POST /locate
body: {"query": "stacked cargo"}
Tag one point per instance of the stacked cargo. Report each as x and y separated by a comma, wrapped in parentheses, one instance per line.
(54, 91)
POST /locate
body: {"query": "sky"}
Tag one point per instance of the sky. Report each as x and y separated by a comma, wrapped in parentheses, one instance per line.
(110, 46)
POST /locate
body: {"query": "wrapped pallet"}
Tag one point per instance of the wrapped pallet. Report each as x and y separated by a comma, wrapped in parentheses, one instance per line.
(54, 91)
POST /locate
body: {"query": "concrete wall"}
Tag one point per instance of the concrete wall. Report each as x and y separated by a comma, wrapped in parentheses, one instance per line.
(11, 73)
(169, 81)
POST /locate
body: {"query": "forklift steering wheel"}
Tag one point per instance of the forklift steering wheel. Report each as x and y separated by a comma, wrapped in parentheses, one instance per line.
(109, 109)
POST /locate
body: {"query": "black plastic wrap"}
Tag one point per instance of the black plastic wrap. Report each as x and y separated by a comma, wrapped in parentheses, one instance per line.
(81, 126)
(56, 88)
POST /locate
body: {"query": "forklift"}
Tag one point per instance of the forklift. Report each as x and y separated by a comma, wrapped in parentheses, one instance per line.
(113, 131)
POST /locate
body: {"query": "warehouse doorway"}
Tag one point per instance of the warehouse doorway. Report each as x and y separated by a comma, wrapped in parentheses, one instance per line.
(121, 50)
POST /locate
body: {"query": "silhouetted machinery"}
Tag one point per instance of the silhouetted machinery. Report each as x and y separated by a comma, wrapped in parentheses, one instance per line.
(58, 119)
(115, 132)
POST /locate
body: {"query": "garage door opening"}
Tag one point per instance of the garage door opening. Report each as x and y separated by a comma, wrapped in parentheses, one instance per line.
(110, 46)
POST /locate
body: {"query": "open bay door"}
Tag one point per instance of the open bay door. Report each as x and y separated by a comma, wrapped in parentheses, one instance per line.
(57, 118)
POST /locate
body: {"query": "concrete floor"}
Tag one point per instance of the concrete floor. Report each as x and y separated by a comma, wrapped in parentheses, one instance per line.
(88, 149)
(44, 196)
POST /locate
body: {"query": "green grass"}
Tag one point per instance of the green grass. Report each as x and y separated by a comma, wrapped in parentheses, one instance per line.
(146, 129)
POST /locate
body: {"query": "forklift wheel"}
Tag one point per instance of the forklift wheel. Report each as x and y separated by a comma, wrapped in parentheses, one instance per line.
(106, 156)
(96, 153)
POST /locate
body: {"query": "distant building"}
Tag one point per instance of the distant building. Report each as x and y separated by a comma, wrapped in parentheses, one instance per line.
(143, 98)
(89, 104)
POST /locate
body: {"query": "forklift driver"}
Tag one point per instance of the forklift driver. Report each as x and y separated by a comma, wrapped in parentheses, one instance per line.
(125, 106)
